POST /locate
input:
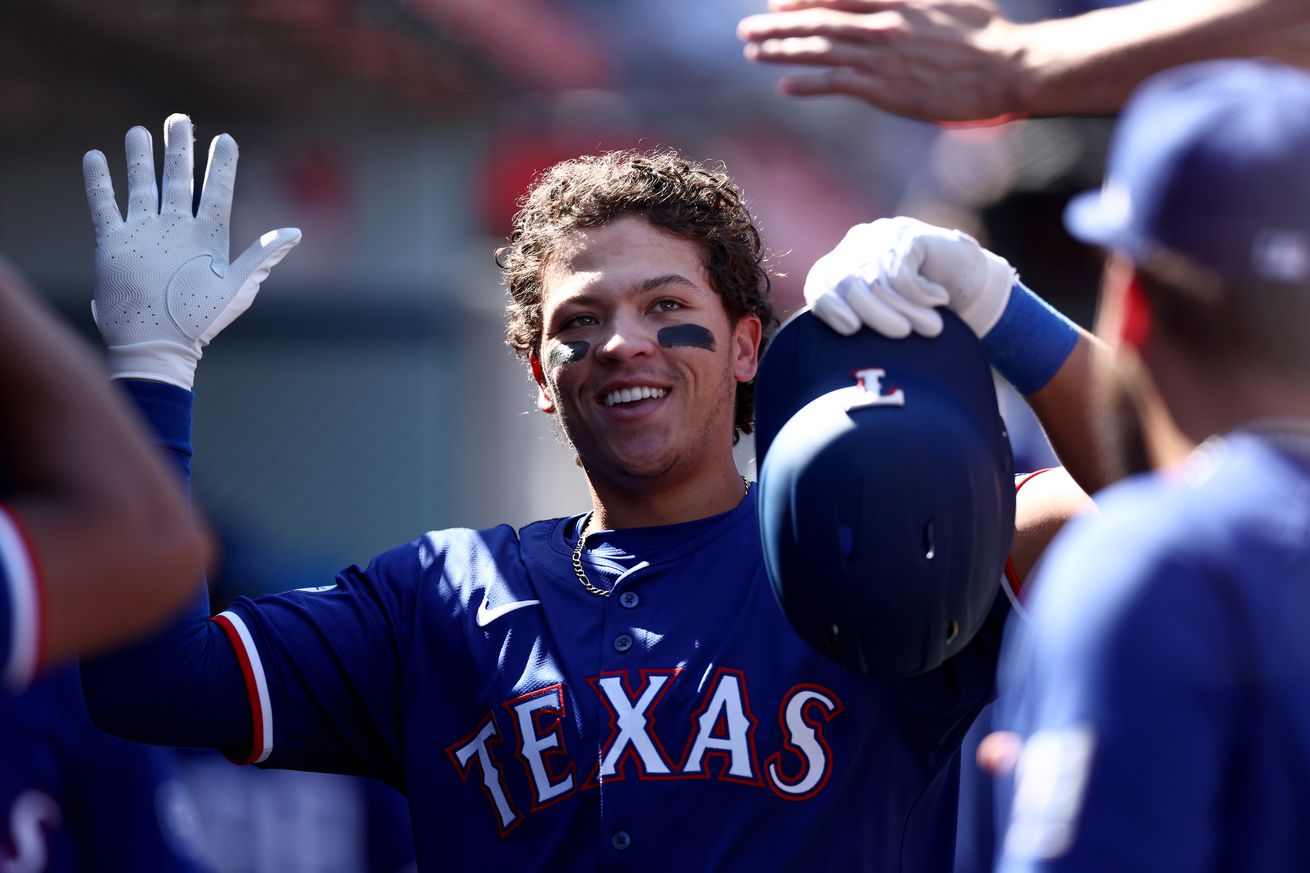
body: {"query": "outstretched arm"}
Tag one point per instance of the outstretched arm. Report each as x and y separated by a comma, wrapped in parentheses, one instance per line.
(961, 60)
(308, 679)
(165, 286)
(98, 543)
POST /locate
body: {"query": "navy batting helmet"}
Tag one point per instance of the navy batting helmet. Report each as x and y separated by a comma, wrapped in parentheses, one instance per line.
(886, 491)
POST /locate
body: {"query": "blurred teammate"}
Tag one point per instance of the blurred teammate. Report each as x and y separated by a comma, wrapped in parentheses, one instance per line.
(97, 546)
(961, 60)
(74, 799)
(1159, 684)
(616, 687)
(96, 543)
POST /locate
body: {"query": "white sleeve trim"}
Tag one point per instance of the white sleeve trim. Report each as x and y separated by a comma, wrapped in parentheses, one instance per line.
(19, 663)
(260, 691)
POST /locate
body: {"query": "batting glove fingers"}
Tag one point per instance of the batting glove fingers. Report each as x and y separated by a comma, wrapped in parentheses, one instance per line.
(892, 274)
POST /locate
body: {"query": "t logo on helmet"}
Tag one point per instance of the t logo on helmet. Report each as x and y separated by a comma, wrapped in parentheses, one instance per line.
(868, 385)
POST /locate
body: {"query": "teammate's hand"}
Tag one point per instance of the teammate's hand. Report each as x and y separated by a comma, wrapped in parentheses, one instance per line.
(936, 60)
(892, 274)
(164, 285)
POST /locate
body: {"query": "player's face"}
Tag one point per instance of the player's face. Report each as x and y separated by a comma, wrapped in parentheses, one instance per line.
(638, 357)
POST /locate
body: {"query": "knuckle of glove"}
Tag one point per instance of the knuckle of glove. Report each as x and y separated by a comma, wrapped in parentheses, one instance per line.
(824, 277)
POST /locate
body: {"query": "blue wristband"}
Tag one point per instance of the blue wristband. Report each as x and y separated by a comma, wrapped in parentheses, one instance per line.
(1030, 342)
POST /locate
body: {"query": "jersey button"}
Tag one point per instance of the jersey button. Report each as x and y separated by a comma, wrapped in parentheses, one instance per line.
(622, 642)
(620, 840)
(629, 599)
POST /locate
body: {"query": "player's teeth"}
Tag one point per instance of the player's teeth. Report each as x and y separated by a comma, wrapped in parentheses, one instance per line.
(627, 395)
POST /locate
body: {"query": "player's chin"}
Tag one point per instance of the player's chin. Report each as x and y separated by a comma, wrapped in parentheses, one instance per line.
(642, 457)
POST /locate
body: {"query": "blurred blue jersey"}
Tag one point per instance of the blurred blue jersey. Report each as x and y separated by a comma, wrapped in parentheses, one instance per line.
(74, 799)
(678, 724)
(1161, 681)
(284, 821)
(20, 602)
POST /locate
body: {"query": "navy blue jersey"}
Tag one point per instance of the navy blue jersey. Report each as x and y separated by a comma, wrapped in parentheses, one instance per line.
(1161, 682)
(678, 724)
(20, 619)
(75, 799)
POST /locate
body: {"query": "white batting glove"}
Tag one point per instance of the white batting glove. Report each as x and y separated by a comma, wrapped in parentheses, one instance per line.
(164, 285)
(891, 275)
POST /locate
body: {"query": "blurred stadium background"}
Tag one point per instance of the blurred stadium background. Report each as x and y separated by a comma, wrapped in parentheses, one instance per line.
(367, 396)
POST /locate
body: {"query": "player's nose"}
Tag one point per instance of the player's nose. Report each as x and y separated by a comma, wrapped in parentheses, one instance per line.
(628, 337)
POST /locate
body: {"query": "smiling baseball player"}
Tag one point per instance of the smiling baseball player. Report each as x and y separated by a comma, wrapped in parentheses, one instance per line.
(617, 688)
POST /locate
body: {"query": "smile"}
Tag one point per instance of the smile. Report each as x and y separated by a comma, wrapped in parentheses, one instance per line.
(627, 395)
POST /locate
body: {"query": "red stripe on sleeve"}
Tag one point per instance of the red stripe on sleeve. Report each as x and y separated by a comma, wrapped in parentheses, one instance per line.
(252, 693)
(1012, 575)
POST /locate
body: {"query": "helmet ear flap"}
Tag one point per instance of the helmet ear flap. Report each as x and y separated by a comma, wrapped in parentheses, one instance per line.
(886, 523)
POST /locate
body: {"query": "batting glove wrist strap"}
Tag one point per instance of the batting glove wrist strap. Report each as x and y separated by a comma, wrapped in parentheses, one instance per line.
(156, 360)
(1029, 341)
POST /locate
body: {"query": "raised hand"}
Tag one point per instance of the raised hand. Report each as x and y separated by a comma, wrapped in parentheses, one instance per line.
(936, 60)
(164, 283)
(891, 275)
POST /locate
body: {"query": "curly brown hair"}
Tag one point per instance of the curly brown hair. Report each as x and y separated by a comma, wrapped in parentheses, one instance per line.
(685, 198)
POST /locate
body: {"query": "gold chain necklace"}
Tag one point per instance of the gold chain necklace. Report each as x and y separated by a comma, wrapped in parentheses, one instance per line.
(577, 555)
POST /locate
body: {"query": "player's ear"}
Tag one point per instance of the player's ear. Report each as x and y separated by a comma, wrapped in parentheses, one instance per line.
(746, 347)
(545, 402)
(1135, 327)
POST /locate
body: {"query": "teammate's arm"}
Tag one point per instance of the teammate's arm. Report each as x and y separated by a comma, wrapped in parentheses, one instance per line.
(1042, 506)
(961, 60)
(1048, 500)
(95, 527)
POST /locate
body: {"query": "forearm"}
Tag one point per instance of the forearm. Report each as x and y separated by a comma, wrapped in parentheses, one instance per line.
(182, 686)
(113, 545)
(1049, 360)
(1089, 64)
(1064, 408)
